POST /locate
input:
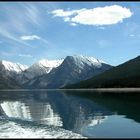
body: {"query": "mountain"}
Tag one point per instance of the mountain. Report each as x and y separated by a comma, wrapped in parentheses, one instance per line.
(39, 68)
(73, 69)
(124, 75)
(10, 66)
(6, 73)
(11, 69)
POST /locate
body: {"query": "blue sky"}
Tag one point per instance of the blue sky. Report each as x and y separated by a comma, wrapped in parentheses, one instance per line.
(31, 31)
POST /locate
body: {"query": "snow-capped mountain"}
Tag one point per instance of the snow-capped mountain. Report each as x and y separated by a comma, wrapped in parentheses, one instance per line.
(124, 75)
(9, 72)
(53, 73)
(39, 68)
(73, 69)
(11, 69)
(14, 67)
(81, 61)
(44, 66)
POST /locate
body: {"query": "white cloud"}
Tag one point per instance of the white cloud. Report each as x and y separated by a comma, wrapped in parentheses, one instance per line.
(131, 35)
(97, 16)
(25, 55)
(35, 37)
(73, 24)
(62, 13)
(31, 37)
(66, 19)
(14, 24)
(4, 32)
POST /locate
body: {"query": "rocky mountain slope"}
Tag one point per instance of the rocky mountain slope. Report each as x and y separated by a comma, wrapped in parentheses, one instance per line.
(72, 70)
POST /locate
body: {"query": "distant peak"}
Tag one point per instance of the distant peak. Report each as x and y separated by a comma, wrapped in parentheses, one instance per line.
(13, 66)
(82, 57)
(49, 63)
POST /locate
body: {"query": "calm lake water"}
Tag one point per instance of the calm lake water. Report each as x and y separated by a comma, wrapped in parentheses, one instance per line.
(69, 114)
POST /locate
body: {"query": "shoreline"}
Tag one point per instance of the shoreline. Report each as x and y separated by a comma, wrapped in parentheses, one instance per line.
(93, 89)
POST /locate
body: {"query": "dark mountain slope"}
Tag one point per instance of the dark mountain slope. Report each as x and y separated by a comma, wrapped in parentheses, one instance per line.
(124, 75)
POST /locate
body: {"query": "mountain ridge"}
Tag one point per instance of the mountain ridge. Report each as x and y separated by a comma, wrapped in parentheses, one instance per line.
(39, 68)
(123, 75)
(72, 69)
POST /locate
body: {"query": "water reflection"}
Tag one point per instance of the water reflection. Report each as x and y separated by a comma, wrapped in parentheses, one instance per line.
(121, 103)
(81, 122)
(75, 111)
(54, 108)
(31, 111)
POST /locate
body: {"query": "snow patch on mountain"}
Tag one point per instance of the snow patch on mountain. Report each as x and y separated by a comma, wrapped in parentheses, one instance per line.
(44, 66)
(87, 59)
(14, 67)
(49, 64)
(39, 68)
(81, 61)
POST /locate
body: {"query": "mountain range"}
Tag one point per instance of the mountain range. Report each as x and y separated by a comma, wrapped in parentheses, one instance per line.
(52, 73)
(39, 68)
(71, 72)
(123, 75)
(73, 69)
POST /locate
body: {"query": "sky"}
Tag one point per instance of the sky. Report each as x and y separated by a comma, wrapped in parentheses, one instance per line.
(31, 31)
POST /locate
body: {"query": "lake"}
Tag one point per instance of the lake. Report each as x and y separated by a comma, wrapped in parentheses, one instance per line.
(69, 114)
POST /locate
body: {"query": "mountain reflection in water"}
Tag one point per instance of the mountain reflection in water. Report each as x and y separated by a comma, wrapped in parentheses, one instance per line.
(74, 111)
